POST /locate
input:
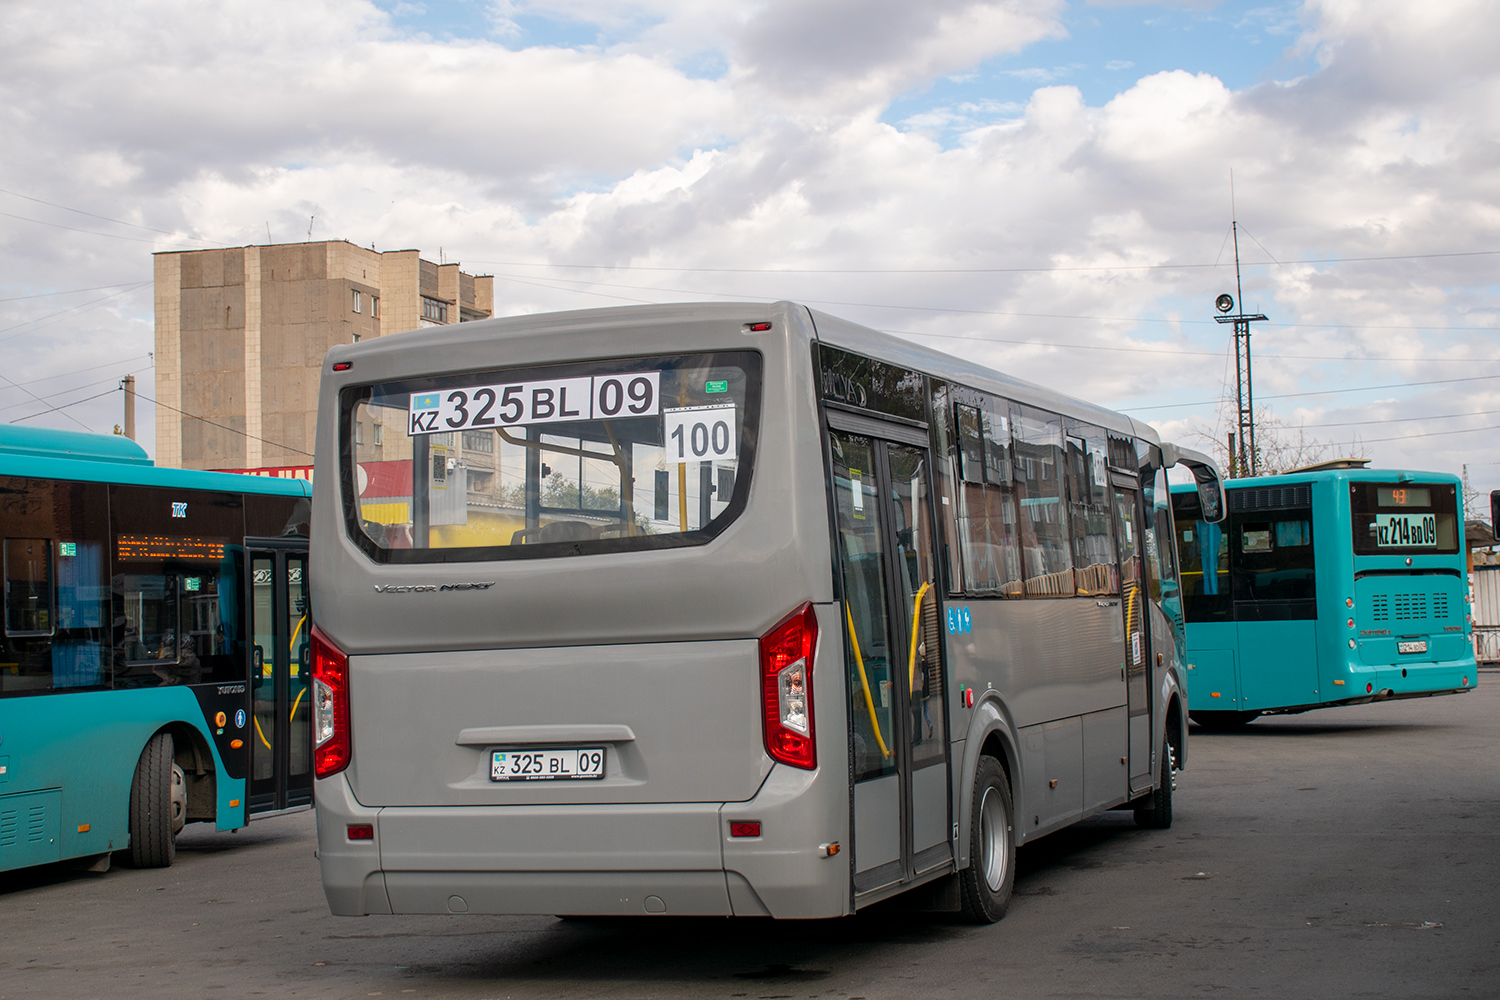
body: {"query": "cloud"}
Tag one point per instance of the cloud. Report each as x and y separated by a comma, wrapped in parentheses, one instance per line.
(861, 53)
(211, 122)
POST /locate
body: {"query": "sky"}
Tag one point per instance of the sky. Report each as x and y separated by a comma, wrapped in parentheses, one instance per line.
(1045, 186)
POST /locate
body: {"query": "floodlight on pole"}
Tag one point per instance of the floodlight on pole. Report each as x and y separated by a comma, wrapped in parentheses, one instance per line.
(1247, 463)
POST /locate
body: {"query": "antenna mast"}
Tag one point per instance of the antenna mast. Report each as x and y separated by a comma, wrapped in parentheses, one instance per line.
(1247, 463)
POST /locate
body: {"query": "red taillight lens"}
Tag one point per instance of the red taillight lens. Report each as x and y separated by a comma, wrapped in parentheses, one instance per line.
(330, 697)
(786, 663)
(361, 831)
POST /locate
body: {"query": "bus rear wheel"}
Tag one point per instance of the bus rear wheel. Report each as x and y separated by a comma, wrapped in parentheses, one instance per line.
(158, 805)
(987, 883)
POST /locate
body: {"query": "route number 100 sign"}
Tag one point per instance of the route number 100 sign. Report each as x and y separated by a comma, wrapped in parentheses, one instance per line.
(700, 434)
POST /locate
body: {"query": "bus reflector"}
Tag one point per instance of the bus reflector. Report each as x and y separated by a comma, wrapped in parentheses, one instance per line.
(749, 828)
(361, 831)
(330, 676)
(786, 661)
(342, 366)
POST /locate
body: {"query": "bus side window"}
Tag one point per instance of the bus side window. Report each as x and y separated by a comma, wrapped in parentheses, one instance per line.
(55, 597)
(1094, 567)
(1203, 550)
(1274, 576)
(28, 588)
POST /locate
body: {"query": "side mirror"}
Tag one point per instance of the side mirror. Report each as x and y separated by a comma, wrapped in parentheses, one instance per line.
(1206, 476)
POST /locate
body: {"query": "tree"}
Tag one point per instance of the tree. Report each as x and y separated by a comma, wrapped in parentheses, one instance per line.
(1280, 448)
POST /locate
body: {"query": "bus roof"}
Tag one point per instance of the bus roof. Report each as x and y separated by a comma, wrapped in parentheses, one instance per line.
(836, 332)
(42, 453)
(44, 442)
(849, 336)
(1348, 474)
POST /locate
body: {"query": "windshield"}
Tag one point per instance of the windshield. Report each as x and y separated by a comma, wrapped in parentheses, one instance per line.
(556, 460)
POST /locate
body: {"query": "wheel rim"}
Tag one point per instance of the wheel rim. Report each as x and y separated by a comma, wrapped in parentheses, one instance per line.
(179, 799)
(992, 833)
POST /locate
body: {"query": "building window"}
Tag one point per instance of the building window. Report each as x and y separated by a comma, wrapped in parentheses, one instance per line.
(356, 338)
(379, 434)
(375, 306)
(434, 309)
(356, 301)
(479, 441)
(359, 432)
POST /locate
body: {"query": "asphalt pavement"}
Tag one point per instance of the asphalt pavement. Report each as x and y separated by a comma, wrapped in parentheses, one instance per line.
(1342, 853)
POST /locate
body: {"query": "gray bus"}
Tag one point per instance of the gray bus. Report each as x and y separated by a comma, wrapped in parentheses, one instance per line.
(728, 609)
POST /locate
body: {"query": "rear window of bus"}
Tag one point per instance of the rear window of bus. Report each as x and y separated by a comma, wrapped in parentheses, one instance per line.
(1404, 518)
(568, 459)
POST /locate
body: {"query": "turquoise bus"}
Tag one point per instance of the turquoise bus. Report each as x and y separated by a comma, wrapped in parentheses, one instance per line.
(151, 662)
(1328, 586)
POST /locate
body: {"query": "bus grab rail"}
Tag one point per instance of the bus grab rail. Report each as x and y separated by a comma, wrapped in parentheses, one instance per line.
(916, 622)
(864, 682)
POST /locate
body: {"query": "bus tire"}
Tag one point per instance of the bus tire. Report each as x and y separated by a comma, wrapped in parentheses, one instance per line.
(986, 885)
(153, 841)
(1155, 811)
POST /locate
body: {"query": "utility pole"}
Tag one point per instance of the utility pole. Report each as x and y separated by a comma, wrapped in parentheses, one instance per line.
(1248, 462)
(129, 386)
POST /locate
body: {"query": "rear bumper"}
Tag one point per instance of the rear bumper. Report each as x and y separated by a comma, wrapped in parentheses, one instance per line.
(1410, 679)
(616, 859)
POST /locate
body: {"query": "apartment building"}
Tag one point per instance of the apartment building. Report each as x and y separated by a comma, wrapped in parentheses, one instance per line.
(241, 334)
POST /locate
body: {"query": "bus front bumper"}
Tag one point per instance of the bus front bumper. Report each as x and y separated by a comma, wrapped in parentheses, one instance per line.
(597, 860)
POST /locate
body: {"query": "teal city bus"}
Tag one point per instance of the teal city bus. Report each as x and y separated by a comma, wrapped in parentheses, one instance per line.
(1328, 586)
(151, 662)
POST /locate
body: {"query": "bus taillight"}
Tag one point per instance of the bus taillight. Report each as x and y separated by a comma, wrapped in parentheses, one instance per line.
(330, 677)
(786, 660)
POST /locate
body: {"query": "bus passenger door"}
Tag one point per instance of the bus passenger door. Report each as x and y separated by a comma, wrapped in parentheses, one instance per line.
(281, 709)
(893, 654)
(1137, 652)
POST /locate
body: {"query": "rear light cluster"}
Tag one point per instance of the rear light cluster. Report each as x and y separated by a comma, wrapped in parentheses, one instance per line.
(330, 697)
(786, 662)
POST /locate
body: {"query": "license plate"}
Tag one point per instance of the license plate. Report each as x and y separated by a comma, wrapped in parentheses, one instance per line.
(546, 765)
(1414, 646)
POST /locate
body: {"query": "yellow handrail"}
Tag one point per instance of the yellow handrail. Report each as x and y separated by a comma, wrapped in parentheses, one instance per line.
(859, 661)
(916, 621)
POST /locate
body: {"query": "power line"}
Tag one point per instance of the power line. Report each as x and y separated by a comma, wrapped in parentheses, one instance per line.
(1319, 392)
(991, 312)
(967, 270)
(1400, 420)
(64, 406)
(95, 232)
(105, 218)
(71, 291)
(75, 388)
(80, 371)
(1168, 350)
(233, 430)
(1405, 437)
(64, 312)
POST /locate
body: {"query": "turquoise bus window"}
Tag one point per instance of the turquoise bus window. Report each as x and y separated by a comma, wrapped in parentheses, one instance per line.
(28, 587)
(1275, 574)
